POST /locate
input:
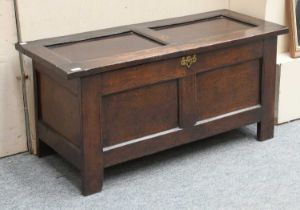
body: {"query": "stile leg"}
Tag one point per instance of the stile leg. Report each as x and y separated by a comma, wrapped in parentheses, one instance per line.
(265, 131)
(91, 147)
(265, 128)
(91, 178)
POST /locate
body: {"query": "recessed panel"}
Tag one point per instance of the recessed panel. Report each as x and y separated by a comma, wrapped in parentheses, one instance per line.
(103, 47)
(59, 109)
(228, 89)
(196, 30)
(139, 112)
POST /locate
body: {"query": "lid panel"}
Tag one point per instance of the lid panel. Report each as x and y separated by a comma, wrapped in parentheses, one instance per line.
(198, 29)
(103, 46)
(94, 52)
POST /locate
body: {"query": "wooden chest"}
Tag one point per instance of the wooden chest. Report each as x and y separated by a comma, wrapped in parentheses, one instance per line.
(109, 96)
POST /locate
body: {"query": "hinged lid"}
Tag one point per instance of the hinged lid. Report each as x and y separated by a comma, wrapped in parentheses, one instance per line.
(98, 51)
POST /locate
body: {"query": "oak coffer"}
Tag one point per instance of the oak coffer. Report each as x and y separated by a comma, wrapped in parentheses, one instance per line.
(108, 96)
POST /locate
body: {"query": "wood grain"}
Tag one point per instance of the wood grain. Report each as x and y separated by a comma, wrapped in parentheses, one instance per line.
(265, 128)
(91, 142)
(59, 109)
(228, 89)
(139, 112)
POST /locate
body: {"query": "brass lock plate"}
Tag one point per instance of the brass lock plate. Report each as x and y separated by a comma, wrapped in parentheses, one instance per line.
(187, 61)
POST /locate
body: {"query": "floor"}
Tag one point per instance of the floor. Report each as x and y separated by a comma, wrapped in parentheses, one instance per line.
(228, 171)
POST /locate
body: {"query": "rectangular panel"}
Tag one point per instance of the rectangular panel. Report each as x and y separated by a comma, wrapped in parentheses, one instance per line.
(71, 85)
(139, 112)
(141, 75)
(103, 46)
(59, 144)
(228, 56)
(228, 89)
(59, 109)
(202, 28)
(173, 139)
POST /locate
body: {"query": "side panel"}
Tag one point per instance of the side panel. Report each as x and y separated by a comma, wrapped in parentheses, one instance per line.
(59, 106)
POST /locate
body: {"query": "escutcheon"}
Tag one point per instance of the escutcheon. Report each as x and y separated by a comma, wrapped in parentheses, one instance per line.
(187, 61)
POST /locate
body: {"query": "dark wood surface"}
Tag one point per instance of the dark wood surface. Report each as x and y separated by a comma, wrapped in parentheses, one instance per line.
(59, 143)
(201, 29)
(229, 56)
(228, 89)
(265, 128)
(149, 87)
(103, 47)
(151, 73)
(59, 108)
(139, 112)
(151, 145)
(91, 142)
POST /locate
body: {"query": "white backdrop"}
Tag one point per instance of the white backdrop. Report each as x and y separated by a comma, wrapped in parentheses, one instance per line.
(48, 18)
(12, 126)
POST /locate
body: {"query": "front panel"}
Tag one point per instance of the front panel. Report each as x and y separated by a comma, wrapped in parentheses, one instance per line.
(228, 89)
(139, 112)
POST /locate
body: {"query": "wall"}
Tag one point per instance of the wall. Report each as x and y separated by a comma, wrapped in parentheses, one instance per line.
(270, 10)
(12, 126)
(288, 74)
(253, 8)
(40, 18)
(276, 12)
(288, 96)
